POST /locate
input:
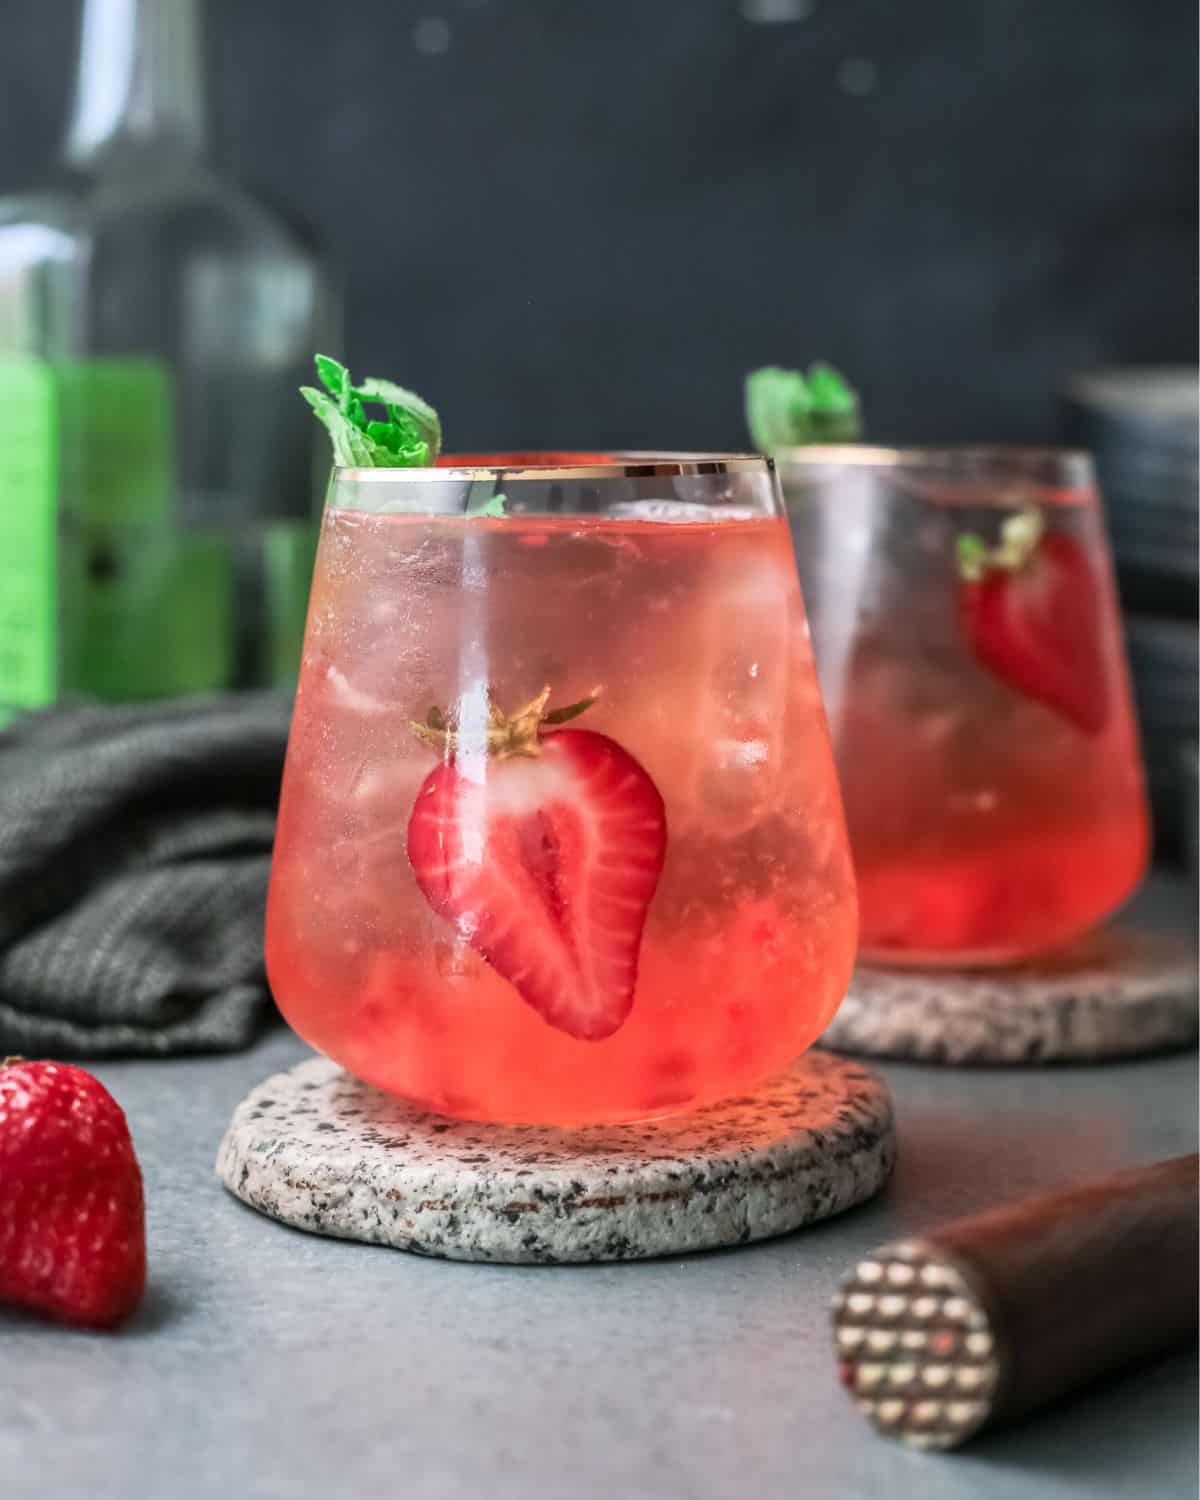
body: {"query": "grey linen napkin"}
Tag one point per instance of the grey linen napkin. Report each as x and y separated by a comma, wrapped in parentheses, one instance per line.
(135, 845)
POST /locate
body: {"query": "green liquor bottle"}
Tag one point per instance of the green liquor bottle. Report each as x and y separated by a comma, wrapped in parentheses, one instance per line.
(157, 475)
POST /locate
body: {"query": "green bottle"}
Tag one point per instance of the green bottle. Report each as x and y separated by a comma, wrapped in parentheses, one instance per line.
(158, 486)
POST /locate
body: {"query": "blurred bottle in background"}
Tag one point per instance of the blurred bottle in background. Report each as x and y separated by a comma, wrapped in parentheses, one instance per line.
(158, 473)
(1142, 425)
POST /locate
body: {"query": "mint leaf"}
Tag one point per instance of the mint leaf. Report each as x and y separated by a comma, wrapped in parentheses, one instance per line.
(835, 406)
(402, 439)
(334, 377)
(400, 402)
(411, 437)
(785, 408)
(352, 449)
(492, 507)
(777, 408)
(829, 391)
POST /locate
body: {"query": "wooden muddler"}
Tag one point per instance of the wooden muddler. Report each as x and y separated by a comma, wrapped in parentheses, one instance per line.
(992, 1316)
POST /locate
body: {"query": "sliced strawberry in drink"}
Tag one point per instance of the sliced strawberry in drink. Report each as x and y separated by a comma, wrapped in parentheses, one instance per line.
(544, 853)
(1030, 609)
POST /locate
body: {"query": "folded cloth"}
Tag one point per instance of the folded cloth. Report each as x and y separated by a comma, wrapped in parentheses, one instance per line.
(135, 844)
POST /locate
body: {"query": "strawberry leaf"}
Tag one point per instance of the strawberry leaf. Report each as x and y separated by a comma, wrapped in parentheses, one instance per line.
(972, 556)
(570, 711)
(1020, 537)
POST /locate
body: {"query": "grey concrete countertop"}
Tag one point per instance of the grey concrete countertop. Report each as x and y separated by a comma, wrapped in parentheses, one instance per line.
(267, 1364)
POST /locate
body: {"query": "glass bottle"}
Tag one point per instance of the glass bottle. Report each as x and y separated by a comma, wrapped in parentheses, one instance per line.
(157, 472)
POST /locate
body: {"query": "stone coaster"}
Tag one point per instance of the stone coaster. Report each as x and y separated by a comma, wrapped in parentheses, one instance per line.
(1115, 994)
(321, 1151)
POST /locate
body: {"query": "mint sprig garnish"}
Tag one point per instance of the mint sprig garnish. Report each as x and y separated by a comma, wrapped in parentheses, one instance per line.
(786, 408)
(411, 438)
(492, 507)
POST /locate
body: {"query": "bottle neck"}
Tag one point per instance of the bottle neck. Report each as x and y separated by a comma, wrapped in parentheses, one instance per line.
(139, 86)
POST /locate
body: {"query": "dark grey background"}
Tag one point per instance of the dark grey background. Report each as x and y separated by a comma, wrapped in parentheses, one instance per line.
(571, 222)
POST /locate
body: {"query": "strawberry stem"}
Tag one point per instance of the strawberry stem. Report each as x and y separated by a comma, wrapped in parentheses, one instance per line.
(507, 735)
(1020, 535)
(972, 557)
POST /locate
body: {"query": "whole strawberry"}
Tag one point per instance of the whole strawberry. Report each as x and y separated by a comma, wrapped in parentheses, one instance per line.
(72, 1221)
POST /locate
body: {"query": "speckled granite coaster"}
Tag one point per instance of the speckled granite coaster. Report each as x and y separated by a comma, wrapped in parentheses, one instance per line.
(319, 1150)
(1115, 994)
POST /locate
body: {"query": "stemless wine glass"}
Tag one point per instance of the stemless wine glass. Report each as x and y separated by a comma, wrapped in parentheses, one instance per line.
(560, 837)
(968, 641)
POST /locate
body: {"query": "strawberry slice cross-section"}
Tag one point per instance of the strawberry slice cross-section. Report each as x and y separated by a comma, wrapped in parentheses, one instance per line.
(1030, 609)
(543, 847)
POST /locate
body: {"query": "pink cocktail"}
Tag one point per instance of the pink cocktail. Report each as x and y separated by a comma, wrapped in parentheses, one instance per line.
(560, 837)
(969, 644)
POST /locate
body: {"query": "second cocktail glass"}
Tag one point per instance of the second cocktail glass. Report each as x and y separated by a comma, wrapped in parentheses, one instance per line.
(967, 635)
(560, 837)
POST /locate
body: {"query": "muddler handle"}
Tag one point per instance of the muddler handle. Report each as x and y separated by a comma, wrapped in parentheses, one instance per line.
(992, 1316)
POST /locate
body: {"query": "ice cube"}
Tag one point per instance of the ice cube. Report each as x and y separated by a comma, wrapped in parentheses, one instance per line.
(680, 512)
(730, 690)
(349, 697)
